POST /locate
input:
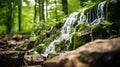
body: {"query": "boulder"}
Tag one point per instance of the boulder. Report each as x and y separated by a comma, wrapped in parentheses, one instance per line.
(11, 58)
(98, 53)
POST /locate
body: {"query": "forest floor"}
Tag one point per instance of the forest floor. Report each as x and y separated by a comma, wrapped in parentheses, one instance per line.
(14, 52)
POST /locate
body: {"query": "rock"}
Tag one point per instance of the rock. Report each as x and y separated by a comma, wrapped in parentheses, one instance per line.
(11, 58)
(17, 37)
(33, 66)
(98, 53)
(113, 10)
(11, 42)
(35, 59)
(2, 43)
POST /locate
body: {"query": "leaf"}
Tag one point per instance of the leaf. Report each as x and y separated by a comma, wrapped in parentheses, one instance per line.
(108, 23)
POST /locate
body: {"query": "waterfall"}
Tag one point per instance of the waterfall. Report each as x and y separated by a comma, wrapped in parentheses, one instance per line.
(95, 16)
(92, 15)
(83, 18)
(100, 14)
(68, 26)
(100, 10)
(65, 33)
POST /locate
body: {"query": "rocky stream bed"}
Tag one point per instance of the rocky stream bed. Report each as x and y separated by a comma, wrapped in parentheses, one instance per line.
(14, 52)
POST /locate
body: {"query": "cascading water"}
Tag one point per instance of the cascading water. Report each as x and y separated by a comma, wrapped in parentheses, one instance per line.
(93, 15)
(83, 18)
(70, 21)
(100, 14)
(100, 10)
(65, 33)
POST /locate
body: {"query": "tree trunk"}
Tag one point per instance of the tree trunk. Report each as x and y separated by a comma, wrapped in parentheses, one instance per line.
(9, 16)
(39, 10)
(46, 10)
(65, 6)
(42, 11)
(35, 12)
(82, 3)
(19, 14)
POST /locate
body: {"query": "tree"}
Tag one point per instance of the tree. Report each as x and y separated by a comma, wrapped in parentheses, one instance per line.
(19, 14)
(9, 15)
(41, 10)
(35, 11)
(65, 6)
(46, 2)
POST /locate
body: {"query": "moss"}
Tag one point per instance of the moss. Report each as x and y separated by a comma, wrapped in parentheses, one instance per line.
(51, 55)
(98, 32)
(77, 41)
(72, 40)
(115, 28)
(113, 11)
(80, 27)
(60, 46)
(42, 38)
(81, 40)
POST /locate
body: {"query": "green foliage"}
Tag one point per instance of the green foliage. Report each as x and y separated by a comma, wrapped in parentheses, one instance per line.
(73, 5)
(3, 18)
(27, 19)
(89, 3)
(42, 36)
(2, 30)
(108, 23)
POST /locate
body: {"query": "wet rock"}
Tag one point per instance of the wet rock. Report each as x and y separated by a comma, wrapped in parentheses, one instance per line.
(98, 53)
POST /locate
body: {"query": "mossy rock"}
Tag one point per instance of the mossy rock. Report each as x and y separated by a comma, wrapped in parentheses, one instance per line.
(113, 11)
(60, 46)
(53, 33)
(99, 32)
(77, 41)
(80, 27)
(43, 39)
(115, 28)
